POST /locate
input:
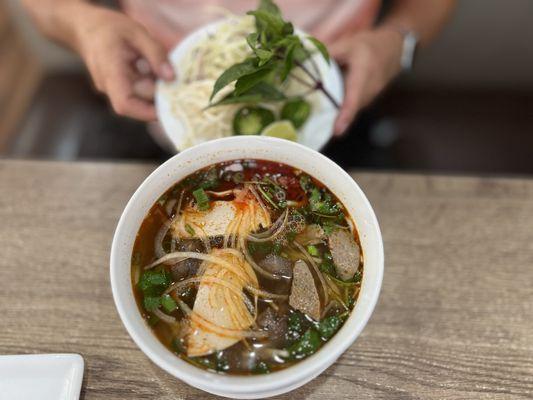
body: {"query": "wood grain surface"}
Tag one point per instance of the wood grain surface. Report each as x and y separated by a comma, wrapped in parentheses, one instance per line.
(454, 320)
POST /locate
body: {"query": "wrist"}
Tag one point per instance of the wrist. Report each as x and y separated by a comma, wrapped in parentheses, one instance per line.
(409, 44)
(391, 48)
(78, 20)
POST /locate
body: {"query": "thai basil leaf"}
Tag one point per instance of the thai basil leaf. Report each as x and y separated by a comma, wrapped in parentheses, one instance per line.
(295, 326)
(261, 368)
(233, 73)
(262, 92)
(270, 6)
(264, 56)
(320, 47)
(329, 326)
(266, 21)
(249, 81)
(288, 65)
(252, 39)
(308, 344)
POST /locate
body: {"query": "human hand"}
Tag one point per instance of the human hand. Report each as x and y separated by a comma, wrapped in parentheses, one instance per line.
(372, 60)
(123, 60)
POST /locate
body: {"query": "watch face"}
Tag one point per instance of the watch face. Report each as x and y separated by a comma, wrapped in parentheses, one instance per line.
(410, 44)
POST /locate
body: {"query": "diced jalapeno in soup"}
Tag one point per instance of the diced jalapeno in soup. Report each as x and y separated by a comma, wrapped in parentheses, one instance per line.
(246, 267)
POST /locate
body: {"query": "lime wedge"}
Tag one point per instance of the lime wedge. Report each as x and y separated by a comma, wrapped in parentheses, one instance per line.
(281, 129)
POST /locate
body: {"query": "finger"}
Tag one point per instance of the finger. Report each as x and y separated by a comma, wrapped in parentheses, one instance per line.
(124, 101)
(333, 26)
(143, 67)
(340, 49)
(144, 88)
(350, 104)
(155, 54)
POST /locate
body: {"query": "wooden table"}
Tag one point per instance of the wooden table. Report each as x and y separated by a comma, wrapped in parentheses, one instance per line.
(454, 320)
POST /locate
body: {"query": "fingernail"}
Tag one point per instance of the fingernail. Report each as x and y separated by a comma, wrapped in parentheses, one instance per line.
(144, 89)
(167, 72)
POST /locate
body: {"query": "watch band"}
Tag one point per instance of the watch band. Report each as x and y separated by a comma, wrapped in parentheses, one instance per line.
(409, 46)
(410, 43)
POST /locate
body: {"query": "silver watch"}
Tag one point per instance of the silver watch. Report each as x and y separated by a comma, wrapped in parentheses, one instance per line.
(410, 44)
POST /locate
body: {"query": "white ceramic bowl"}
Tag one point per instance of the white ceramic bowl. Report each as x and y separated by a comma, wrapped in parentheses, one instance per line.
(315, 133)
(266, 148)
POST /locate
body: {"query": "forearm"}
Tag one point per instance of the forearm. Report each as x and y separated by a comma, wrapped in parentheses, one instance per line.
(59, 19)
(425, 18)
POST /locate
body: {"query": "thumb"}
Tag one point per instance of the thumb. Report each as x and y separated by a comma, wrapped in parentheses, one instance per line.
(155, 53)
(340, 49)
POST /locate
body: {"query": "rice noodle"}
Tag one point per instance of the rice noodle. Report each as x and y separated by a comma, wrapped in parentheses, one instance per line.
(328, 307)
(272, 228)
(178, 207)
(239, 315)
(350, 225)
(164, 317)
(231, 237)
(241, 194)
(265, 294)
(159, 237)
(182, 255)
(254, 265)
(234, 288)
(225, 193)
(204, 239)
(235, 252)
(258, 198)
(274, 235)
(219, 330)
(313, 242)
(170, 206)
(136, 273)
(278, 355)
(317, 271)
(335, 293)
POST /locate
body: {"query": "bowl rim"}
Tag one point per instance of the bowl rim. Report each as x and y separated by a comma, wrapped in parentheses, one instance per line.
(239, 385)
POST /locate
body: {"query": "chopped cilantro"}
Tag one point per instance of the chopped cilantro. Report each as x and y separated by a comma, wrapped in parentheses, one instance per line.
(154, 282)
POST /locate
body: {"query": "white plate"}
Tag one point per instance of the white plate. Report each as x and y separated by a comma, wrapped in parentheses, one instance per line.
(314, 134)
(41, 376)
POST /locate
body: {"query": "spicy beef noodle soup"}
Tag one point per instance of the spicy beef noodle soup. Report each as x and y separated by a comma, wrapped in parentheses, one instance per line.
(246, 267)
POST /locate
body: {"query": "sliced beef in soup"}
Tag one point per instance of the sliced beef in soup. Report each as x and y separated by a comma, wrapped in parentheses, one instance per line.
(304, 294)
(345, 252)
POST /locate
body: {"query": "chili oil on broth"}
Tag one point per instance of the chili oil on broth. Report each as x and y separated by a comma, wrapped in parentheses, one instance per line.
(281, 299)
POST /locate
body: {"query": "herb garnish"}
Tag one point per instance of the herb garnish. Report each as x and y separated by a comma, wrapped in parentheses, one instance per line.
(277, 52)
(202, 199)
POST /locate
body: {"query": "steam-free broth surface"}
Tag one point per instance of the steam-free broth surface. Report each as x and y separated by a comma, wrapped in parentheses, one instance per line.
(246, 267)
